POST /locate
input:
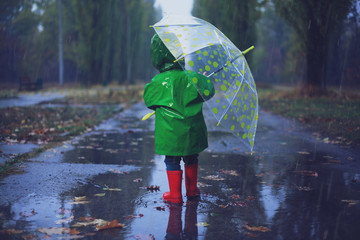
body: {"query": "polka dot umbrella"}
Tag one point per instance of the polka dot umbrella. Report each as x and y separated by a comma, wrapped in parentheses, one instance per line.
(207, 50)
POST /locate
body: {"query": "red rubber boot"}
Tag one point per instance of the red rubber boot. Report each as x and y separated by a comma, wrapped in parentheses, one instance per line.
(174, 178)
(191, 172)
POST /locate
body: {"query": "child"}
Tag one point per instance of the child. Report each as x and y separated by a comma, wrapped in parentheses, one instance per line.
(180, 130)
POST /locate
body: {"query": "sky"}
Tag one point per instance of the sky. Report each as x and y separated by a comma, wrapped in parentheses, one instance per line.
(181, 7)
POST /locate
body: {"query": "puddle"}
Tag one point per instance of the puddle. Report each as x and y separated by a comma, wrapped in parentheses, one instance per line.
(9, 151)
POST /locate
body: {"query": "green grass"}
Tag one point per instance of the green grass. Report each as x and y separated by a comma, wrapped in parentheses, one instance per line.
(335, 117)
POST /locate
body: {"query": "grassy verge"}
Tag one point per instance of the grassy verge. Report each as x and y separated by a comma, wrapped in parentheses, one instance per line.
(73, 115)
(334, 117)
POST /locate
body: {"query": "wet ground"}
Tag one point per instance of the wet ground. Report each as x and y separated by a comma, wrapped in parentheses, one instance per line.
(292, 187)
(30, 99)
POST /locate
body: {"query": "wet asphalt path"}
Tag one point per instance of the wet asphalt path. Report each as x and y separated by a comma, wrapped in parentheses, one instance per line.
(292, 187)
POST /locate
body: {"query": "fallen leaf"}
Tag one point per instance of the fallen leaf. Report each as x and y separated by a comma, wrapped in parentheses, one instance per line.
(229, 172)
(106, 188)
(153, 188)
(64, 211)
(110, 225)
(62, 221)
(250, 198)
(79, 198)
(303, 188)
(87, 219)
(202, 224)
(100, 195)
(224, 206)
(235, 196)
(257, 229)
(160, 208)
(137, 180)
(200, 184)
(351, 202)
(239, 204)
(214, 178)
(86, 223)
(134, 216)
(308, 173)
(26, 214)
(79, 202)
(10, 231)
(74, 231)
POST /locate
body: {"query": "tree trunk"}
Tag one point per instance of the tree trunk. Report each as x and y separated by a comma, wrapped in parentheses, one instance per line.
(316, 59)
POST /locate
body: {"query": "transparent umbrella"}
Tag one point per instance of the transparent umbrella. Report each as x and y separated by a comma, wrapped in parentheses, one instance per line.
(207, 50)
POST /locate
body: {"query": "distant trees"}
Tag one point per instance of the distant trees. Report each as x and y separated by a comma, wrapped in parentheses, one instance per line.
(314, 22)
(236, 19)
(311, 42)
(103, 41)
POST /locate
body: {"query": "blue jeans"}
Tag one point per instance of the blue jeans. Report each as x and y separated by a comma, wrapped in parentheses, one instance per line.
(173, 162)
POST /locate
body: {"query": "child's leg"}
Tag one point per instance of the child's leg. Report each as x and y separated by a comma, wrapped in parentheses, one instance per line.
(174, 174)
(191, 172)
(172, 163)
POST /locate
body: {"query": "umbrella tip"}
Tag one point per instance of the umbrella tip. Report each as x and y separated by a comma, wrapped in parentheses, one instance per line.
(248, 50)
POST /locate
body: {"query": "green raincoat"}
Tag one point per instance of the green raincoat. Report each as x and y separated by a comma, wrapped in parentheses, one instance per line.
(180, 129)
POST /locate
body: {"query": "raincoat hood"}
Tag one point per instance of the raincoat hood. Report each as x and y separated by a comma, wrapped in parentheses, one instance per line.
(161, 58)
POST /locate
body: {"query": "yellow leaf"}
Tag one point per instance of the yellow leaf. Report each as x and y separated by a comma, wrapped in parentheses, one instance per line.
(100, 194)
(79, 200)
(257, 229)
(202, 224)
(106, 188)
(82, 198)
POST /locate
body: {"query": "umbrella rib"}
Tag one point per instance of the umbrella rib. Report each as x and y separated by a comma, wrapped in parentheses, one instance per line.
(224, 66)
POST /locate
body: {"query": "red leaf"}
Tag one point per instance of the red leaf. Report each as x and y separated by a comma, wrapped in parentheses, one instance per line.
(153, 188)
(160, 208)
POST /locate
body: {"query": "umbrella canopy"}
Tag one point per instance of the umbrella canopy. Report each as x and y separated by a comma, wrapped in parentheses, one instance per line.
(207, 50)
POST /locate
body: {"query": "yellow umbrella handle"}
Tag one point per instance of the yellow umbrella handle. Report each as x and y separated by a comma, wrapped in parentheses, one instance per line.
(148, 115)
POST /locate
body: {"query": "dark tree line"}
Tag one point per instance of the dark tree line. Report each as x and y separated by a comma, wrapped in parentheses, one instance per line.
(314, 43)
(103, 41)
(311, 42)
